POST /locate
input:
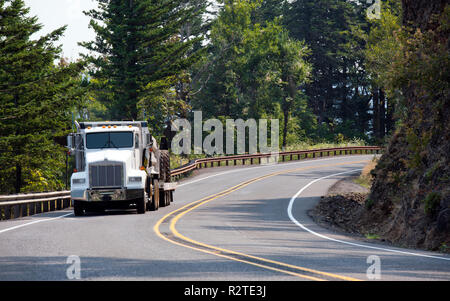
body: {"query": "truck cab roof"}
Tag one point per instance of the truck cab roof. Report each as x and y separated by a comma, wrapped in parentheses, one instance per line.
(112, 124)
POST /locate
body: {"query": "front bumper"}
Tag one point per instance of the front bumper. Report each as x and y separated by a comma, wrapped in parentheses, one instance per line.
(111, 194)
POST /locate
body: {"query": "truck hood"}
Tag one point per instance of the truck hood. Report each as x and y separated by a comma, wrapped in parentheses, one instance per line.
(117, 155)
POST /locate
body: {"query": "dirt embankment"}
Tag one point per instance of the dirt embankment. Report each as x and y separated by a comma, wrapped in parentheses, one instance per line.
(347, 209)
(343, 209)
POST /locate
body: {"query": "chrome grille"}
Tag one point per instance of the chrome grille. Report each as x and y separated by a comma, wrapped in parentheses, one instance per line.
(106, 174)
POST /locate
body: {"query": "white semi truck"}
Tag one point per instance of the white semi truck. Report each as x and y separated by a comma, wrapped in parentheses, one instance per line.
(118, 164)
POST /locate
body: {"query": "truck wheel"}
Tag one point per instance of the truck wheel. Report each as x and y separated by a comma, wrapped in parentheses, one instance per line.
(164, 168)
(164, 198)
(141, 206)
(148, 194)
(167, 198)
(155, 197)
(78, 208)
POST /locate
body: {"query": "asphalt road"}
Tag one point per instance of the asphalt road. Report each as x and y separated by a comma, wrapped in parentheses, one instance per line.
(247, 223)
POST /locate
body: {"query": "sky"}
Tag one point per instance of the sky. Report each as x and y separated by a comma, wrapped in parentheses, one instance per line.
(53, 14)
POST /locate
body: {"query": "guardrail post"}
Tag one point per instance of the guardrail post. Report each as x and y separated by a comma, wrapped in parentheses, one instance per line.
(24, 210)
(8, 212)
(16, 210)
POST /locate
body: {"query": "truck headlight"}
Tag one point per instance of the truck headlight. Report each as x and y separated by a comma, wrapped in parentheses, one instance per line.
(134, 179)
(79, 181)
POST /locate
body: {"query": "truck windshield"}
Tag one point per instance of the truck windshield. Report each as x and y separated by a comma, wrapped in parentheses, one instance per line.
(109, 140)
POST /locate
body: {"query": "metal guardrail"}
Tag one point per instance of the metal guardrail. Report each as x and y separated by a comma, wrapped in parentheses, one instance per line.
(252, 158)
(20, 205)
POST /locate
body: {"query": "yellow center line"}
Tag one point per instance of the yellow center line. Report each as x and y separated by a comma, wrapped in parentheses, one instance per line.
(208, 199)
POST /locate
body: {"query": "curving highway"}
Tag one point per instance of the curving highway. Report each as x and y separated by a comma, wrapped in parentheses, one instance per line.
(247, 223)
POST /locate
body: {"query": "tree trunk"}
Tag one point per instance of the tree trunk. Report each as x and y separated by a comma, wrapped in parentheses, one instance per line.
(376, 114)
(285, 127)
(382, 113)
(390, 122)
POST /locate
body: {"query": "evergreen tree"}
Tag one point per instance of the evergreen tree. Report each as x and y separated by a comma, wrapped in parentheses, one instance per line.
(382, 47)
(141, 51)
(35, 96)
(339, 92)
(253, 70)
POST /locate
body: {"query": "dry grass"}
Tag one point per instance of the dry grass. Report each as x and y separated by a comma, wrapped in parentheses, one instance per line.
(365, 179)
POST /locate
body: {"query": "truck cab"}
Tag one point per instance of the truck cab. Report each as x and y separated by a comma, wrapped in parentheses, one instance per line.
(118, 165)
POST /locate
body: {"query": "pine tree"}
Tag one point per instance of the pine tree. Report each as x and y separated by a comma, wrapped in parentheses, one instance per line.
(34, 100)
(339, 92)
(140, 51)
(253, 70)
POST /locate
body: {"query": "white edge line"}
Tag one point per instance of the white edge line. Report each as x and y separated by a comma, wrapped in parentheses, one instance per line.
(289, 211)
(34, 222)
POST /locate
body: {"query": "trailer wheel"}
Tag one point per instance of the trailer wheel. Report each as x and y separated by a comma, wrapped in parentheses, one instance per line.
(164, 198)
(168, 198)
(164, 168)
(148, 194)
(78, 208)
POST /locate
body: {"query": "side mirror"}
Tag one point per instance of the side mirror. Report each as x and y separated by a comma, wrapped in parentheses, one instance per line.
(71, 143)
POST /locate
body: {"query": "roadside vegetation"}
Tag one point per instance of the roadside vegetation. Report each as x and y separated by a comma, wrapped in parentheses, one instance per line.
(365, 178)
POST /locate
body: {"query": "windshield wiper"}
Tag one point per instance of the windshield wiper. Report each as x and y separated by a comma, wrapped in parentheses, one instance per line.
(106, 144)
(112, 143)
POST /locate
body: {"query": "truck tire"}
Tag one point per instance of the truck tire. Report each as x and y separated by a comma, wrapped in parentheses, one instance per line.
(78, 208)
(164, 198)
(155, 196)
(164, 168)
(141, 205)
(148, 194)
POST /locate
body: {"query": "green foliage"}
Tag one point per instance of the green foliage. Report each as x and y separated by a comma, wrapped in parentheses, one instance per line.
(36, 96)
(382, 45)
(432, 201)
(253, 70)
(369, 204)
(339, 90)
(140, 50)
